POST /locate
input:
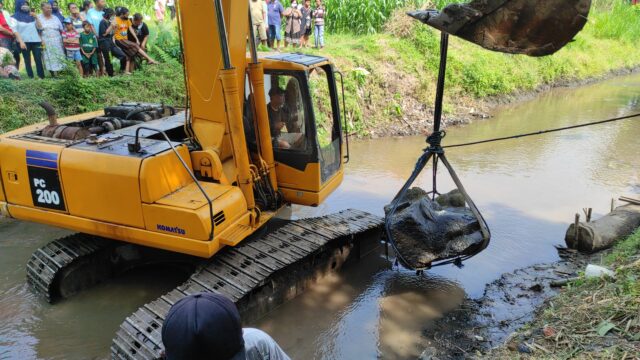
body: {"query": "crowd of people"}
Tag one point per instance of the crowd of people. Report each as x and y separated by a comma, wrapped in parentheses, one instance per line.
(88, 36)
(301, 20)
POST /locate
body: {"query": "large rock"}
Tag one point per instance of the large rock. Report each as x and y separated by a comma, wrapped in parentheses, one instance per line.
(425, 231)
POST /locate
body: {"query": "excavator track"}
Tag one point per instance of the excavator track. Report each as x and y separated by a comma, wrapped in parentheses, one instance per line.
(257, 275)
(55, 261)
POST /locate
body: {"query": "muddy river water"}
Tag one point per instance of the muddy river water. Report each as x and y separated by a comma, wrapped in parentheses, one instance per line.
(528, 190)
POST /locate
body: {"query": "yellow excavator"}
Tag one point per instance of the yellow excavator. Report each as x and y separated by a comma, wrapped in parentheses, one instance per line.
(203, 182)
(139, 173)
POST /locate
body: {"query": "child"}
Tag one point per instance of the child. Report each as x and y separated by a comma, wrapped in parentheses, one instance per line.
(141, 31)
(89, 49)
(106, 45)
(71, 42)
(130, 48)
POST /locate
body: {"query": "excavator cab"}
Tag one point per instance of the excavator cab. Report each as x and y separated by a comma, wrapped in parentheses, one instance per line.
(303, 105)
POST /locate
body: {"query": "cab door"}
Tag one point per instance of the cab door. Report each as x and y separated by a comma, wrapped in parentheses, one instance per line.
(306, 133)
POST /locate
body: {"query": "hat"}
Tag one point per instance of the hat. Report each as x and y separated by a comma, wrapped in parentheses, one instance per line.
(276, 90)
(67, 20)
(202, 326)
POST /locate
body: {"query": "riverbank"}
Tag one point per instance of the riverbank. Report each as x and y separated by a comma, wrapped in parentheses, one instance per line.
(390, 77)
(550, 311)
(592, 318)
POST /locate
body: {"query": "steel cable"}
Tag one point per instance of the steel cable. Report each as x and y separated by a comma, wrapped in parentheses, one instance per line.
(541, 132)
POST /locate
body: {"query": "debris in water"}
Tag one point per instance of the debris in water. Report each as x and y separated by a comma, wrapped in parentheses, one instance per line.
(425, 231)
(595, 271)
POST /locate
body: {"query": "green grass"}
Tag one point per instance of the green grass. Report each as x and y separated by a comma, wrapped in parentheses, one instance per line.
(388, 75)
(71, 94)
(607, 43)
(592, 318)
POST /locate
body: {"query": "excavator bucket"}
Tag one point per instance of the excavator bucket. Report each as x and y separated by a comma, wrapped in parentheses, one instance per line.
(531, 27)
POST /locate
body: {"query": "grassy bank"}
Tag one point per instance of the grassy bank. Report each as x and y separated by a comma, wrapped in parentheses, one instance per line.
(591, 319)
(390, 76)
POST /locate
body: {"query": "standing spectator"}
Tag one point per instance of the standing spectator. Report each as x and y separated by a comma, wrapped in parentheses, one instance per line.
(51, 39)
(140, 30)
(89, 50)
(86, 5)
(56, 10)
(121, 36)
(7, 35)
(319, 13)
(265, 23)
(257, 21)
(71, 42)
(306, 23)
(28, 26)
(76, 17)
(95, 17)
(8, 23)
(171, 4)
(275, 11)
(293, 18)
(159, 7)
(106, 46)
(95, 14)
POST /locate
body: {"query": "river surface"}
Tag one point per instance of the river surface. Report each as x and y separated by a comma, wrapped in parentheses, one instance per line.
(528, 190)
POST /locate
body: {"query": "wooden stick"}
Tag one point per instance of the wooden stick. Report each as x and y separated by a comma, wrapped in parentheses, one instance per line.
(589, 214)
(563, 282)
(613, 203)
(576, 223)
(629, 200)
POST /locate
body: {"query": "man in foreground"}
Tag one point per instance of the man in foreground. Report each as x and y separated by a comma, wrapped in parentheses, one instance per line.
(207, 326)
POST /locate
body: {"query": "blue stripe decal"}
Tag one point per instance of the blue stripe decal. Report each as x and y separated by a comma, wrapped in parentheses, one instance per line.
(42, 155)
(42, 163)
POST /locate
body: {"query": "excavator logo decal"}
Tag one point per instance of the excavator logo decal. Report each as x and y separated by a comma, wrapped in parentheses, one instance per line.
(44, 180)
(175, 229)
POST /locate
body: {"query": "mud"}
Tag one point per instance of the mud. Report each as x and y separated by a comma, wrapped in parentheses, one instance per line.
(418, 118)
(425, 231)
(507, 304)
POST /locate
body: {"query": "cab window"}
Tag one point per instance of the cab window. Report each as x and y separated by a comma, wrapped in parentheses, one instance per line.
(287, 113)
(328, 129)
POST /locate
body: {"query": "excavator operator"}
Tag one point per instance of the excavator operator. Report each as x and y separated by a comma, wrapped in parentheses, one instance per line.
(279, 118)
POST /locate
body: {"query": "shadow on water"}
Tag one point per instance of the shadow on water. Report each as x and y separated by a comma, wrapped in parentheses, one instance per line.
(372, 309)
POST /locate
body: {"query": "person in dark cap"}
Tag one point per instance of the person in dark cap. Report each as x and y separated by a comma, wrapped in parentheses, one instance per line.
(278, 115)
(207, 326)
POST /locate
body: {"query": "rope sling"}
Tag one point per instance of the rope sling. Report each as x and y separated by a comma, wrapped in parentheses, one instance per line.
(435, 153)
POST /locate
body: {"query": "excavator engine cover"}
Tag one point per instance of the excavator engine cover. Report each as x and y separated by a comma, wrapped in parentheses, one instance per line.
(531, 27)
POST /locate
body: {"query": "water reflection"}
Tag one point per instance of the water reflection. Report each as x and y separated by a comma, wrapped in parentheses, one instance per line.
(364, 312)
